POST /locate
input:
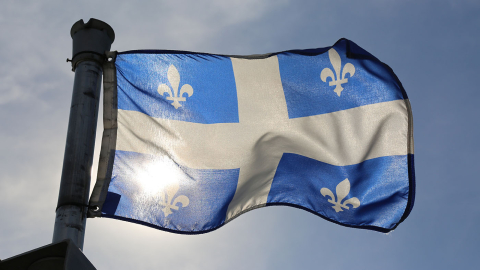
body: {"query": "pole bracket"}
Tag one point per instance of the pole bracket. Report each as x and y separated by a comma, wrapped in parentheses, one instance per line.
(87, 56)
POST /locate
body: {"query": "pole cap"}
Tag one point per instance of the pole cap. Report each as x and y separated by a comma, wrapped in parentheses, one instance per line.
(95, 24)
(94, 37)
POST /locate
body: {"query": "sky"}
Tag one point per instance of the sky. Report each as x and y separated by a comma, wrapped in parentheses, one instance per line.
(431, 46)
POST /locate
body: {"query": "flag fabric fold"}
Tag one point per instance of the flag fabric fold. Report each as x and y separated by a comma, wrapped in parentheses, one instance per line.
(193, 140)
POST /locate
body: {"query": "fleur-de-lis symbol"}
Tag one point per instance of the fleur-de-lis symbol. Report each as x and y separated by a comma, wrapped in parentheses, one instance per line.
(343, 188)
(337, 64)
(166, 201)
(174, 79)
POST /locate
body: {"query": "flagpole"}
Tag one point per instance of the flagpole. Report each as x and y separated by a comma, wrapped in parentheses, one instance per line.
(90, 41)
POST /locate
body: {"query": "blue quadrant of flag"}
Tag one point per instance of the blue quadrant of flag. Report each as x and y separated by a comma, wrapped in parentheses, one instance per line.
(299, 179)
(134, 180)
(202, 138)
(214, 99)
(306, 94)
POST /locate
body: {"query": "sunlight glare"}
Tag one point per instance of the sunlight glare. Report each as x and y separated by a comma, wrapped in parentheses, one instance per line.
(158, 176)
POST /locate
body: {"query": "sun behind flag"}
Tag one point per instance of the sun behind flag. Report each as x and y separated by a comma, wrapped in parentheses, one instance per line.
(192, 140)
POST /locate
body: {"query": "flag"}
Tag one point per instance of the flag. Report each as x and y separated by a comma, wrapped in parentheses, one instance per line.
(193, 140)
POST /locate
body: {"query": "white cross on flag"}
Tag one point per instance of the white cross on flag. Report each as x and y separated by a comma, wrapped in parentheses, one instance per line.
(192, 140)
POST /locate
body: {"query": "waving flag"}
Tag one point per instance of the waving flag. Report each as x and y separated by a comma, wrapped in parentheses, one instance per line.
(193, 140)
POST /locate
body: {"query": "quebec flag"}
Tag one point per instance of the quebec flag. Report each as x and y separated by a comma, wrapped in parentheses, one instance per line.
(193, 140)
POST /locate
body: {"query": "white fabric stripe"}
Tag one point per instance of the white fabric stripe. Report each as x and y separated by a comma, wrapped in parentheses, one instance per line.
(262, 109)
(261, 100)
(256, 144)
(339, 138)
(411, 148)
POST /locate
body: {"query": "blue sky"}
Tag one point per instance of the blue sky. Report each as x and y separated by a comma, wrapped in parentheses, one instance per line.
(431, 46)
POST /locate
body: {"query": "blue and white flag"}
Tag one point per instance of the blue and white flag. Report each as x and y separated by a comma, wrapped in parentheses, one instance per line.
(193, 140)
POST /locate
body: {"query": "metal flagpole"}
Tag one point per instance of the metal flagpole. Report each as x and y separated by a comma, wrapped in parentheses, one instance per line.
(90, 41)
